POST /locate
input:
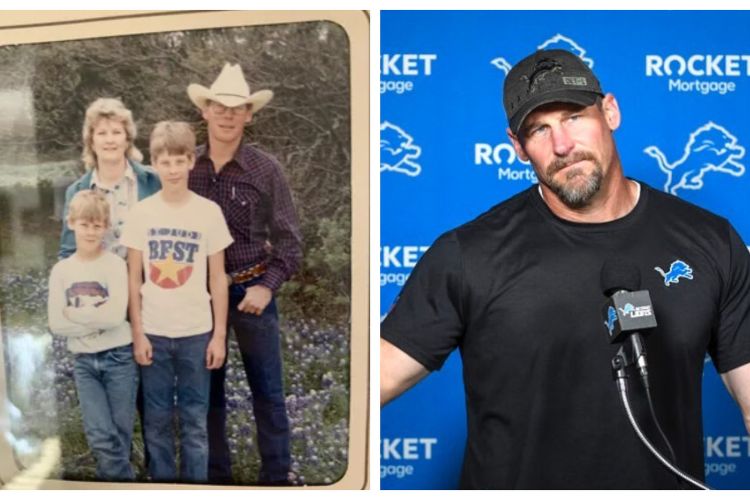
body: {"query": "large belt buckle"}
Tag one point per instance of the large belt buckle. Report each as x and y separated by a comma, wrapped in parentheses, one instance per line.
(245, 275)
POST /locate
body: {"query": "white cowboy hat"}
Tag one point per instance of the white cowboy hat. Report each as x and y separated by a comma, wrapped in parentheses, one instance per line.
(230, 89)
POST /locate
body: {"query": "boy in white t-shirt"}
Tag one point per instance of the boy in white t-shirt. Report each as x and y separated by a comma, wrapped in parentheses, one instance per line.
(88, 299)
(176, 240)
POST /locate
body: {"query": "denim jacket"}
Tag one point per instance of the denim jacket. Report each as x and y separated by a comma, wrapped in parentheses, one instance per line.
(148, 184)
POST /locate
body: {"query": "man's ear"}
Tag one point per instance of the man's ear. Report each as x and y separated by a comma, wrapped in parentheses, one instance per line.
(611, 111)
(517, 145)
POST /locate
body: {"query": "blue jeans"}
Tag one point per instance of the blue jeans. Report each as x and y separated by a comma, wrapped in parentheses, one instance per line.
(178, 369)
(260, 348)
(107, 382)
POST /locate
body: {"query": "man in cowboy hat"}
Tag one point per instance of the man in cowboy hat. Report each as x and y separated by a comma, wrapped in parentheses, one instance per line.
(251, 190)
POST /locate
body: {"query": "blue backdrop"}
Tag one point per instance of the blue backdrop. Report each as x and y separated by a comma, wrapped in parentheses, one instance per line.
(445, 158)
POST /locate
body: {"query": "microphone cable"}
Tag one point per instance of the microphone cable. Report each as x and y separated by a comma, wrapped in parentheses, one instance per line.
(620, 280)
(656, 421)
(618, 367)
(639, 353)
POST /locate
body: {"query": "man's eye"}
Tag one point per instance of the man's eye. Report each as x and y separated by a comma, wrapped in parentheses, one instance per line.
(538, 130)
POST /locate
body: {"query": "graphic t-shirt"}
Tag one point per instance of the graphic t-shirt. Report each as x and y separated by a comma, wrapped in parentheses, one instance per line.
(176, 242)
(87, 302)
(518, 291)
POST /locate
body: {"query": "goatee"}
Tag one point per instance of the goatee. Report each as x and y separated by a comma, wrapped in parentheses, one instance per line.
(574, 195)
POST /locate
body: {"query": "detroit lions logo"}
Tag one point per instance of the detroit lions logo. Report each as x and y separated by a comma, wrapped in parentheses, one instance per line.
(398, 151)
(502, 64)
(628, 309)
(677, 270)
(709, 148)
(611, 319)
(556, 42)
(563, 42)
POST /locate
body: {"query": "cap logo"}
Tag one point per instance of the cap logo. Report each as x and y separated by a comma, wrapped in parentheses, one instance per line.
(541, 69)
(579, 81)
(546, 76)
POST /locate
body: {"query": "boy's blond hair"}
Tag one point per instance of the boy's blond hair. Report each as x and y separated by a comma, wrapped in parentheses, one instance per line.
(172, 137)
(112, 109)
(90, 206)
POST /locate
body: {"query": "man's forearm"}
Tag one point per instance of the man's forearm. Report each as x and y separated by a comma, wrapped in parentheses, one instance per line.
(398, 372)
(737, 382)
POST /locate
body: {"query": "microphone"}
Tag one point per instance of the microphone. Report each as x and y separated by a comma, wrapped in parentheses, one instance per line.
(627, 313)
(628, 310)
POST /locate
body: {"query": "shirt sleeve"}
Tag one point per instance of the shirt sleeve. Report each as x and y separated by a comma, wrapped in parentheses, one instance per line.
(284, 234)
(132, 231)
(112, 312)
(730, 346)
(219, 236)
(426, 321)
(56, 303)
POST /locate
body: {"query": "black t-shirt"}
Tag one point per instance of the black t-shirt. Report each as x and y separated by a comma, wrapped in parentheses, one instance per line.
(517, 290)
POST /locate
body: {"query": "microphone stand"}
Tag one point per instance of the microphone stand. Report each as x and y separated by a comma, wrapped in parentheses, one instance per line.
(620, 362)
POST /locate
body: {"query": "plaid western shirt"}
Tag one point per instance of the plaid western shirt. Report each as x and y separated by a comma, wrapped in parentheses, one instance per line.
(257, 205)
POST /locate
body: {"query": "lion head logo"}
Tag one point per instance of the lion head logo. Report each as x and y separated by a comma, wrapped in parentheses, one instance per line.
(710, 148)
(398, 151)
(563, 42)
(556, 42)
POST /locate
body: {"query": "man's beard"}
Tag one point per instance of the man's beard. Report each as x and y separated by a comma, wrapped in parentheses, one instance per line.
(578, 195)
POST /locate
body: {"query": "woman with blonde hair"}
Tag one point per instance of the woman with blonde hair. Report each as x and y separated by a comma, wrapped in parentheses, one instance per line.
(113, 168)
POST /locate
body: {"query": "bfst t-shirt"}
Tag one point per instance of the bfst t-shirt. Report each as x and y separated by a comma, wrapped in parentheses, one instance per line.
(517, 290)
(176, 243)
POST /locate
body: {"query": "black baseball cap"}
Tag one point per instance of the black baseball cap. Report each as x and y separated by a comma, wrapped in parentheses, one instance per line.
(547, 76)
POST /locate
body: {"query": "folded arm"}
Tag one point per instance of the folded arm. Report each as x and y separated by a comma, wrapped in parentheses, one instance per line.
(112, 312)
(59, 324)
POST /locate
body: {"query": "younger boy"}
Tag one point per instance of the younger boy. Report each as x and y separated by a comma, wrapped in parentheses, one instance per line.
(88, 298)
(176, 238)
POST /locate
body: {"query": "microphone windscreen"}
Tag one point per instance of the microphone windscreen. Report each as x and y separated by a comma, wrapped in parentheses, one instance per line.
(618, 274)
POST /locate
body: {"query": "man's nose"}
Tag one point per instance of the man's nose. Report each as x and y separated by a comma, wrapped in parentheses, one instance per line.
(562, 143)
